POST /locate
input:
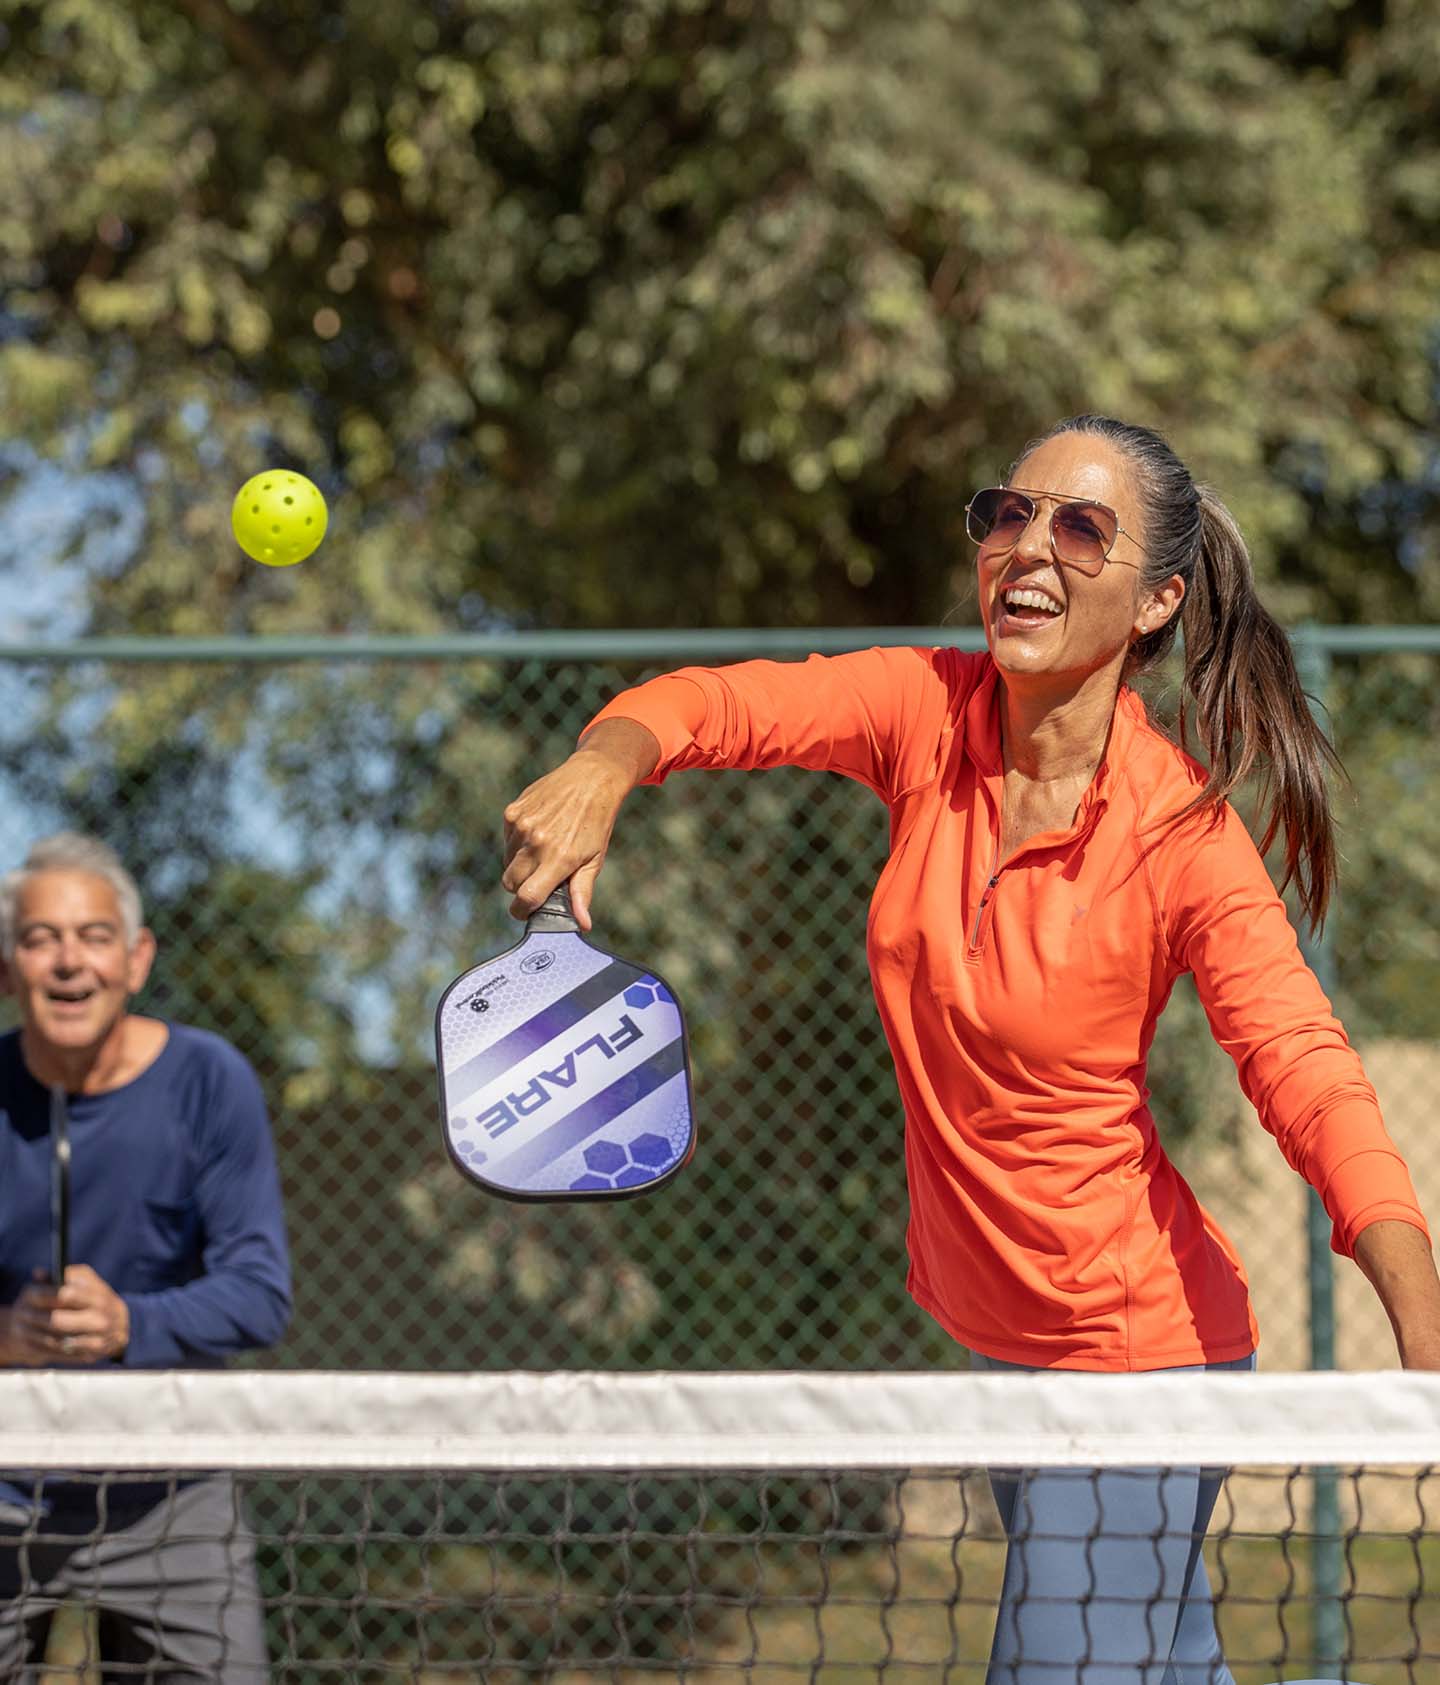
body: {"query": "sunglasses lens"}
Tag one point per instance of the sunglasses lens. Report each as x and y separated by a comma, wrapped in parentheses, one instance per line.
(996, 518)
(1083, 533)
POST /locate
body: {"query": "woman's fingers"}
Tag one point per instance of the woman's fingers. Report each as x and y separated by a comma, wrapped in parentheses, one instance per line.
(532, 891)
(535, 864)
(558, 830)
(531, 894)
(582, 889)
(522, 859)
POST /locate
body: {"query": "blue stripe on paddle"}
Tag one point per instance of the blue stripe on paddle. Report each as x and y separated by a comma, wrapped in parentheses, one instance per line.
(609, 1104)
(534, 1033)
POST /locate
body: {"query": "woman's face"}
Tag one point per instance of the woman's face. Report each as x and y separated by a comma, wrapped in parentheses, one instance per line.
(1046, 620)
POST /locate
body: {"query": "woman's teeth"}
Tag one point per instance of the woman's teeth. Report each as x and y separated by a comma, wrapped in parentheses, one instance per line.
(1028, 598)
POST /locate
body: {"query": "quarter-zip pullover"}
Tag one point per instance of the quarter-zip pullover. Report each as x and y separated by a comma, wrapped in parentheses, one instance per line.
(1019, 998)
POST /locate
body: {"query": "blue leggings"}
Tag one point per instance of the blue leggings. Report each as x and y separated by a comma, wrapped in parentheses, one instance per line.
(1105, 1583)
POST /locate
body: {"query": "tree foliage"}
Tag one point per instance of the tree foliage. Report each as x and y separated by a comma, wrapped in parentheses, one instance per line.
(665, 312)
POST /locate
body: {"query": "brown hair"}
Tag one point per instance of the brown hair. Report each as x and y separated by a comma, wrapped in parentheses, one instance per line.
(1251, 713)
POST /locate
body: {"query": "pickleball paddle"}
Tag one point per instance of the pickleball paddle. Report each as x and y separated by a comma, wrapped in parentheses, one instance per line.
(564, 1070)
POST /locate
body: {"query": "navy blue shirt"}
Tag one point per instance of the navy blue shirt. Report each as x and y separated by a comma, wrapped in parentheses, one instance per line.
(175, 1199)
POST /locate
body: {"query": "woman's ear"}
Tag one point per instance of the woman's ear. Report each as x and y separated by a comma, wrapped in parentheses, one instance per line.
(1159, 606)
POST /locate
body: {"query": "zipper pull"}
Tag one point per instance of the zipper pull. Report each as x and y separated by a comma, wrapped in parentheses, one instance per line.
(980, 910)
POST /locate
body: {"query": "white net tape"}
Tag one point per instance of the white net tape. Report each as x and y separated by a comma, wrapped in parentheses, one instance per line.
(578, 1420)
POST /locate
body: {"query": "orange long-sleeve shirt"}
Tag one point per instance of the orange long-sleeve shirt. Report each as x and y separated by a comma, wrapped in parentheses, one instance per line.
(1019, 998)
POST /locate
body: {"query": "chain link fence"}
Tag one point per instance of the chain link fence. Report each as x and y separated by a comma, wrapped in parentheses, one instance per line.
(316, 829)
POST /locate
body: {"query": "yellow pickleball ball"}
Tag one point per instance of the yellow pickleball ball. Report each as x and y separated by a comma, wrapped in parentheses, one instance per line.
(278, 517)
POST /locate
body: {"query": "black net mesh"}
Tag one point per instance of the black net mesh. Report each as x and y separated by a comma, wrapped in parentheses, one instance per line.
(818, 1575)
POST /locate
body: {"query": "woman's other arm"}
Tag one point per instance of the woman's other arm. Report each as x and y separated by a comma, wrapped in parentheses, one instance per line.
(1400, 1266)
(1226, 924)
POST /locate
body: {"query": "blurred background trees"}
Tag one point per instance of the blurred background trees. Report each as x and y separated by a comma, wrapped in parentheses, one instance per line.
(661, 312)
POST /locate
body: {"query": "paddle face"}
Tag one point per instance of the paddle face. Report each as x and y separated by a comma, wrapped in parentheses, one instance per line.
(564, 1072)
(59, 1186)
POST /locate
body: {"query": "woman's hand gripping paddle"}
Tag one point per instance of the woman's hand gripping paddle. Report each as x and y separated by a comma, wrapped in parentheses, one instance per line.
(564, 1071)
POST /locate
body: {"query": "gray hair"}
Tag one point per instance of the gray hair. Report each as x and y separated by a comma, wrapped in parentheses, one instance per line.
(68, 851)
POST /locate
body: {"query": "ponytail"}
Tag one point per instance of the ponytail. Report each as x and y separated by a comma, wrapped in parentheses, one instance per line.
(1250, 711)
(1248, 708)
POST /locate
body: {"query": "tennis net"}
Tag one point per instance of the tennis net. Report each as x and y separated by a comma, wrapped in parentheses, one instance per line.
(580, 1526)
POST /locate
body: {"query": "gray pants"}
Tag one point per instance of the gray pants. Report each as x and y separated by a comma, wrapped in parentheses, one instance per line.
(173, 1585)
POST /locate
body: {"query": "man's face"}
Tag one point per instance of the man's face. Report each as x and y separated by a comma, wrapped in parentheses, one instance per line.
(72, 971)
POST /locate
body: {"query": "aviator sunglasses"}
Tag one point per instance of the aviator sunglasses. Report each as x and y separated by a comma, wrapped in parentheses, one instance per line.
(1082, 533)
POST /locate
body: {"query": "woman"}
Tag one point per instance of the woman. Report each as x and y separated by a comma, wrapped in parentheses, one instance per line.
(1055, 864)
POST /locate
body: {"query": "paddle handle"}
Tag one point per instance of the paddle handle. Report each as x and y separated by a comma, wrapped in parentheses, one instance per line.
(554, 913)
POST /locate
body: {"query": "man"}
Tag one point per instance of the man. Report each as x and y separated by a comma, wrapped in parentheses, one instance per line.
(180, 1259)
